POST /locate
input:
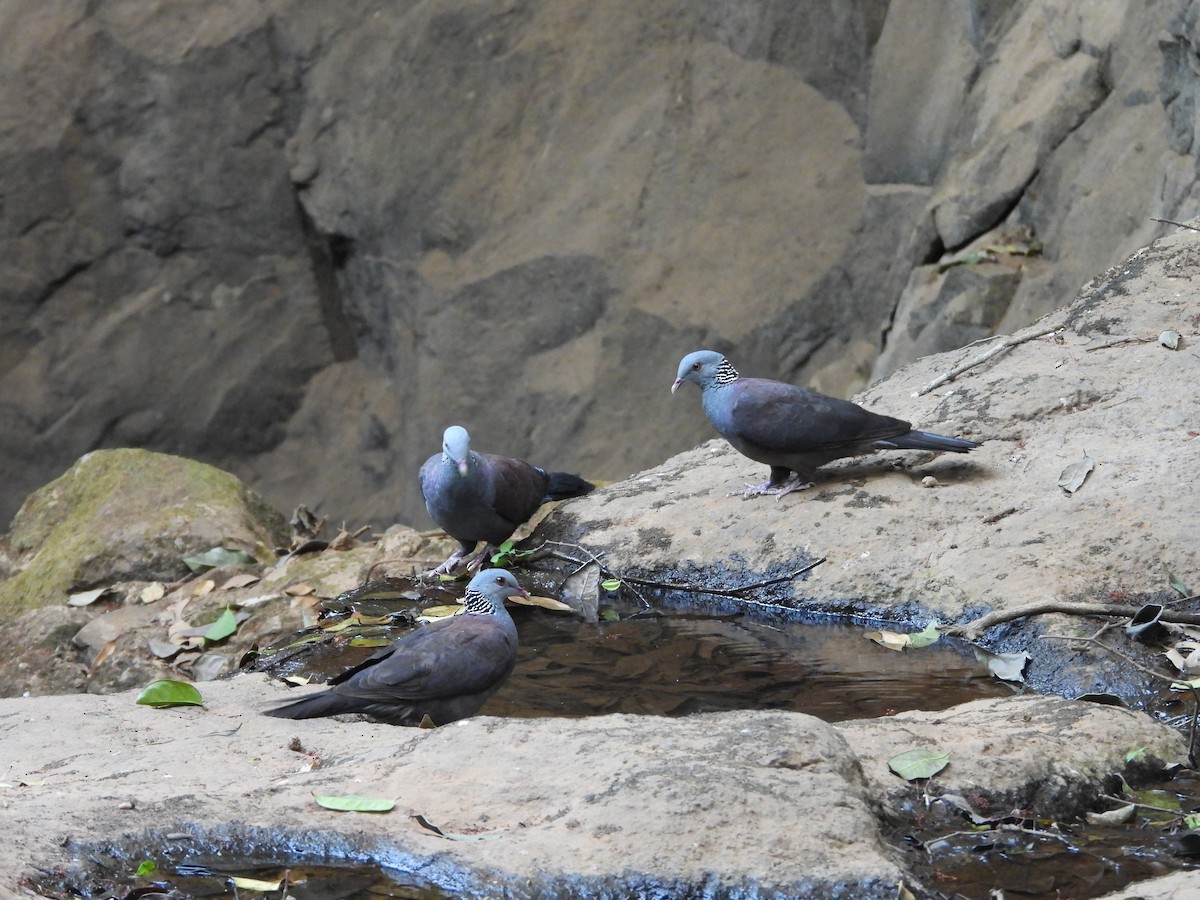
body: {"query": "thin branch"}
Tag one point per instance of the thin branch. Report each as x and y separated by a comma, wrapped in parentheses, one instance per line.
(1179, 600)
(995, 350)
(991, 829)
(974, 628)
(1125, 802)
(722, 592)
(996, 517)
(1128, 339)
(547, 550)
(1158, 676)
(1176, 224)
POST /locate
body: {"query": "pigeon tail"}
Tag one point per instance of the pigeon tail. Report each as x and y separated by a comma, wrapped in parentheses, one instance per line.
(326, 703)
(924, 440)
(564, 485)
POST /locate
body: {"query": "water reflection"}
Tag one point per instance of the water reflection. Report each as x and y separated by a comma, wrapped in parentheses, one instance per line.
(677, 663)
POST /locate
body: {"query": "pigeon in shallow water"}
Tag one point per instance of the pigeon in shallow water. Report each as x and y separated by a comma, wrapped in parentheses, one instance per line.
(793, 429)
(481, 497)
(444, 670)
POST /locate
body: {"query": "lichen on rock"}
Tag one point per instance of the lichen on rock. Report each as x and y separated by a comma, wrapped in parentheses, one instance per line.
(125, 515)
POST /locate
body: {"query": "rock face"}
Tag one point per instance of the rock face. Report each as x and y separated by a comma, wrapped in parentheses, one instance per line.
(298, 240)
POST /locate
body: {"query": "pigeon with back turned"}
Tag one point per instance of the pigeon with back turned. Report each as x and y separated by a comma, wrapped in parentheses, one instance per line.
(444, 670)
(793, 429)
(483, 497)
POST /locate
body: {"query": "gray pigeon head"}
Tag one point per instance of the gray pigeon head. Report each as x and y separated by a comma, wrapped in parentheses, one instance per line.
(705, 368)
(456, 445)
(487, 591)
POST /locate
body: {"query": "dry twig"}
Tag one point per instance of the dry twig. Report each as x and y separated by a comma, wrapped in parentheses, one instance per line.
(995, 350)
(1128, 339)
(1176, 224)
(971, 630)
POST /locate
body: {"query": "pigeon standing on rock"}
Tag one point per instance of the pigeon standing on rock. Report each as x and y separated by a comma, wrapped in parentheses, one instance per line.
(444, 670)
(482, 497)
(793, 429)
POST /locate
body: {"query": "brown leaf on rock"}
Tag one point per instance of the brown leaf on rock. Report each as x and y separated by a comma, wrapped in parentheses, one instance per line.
(581, 591)
(533, 522)
(105, 652)
(543, 602)
(893, 640)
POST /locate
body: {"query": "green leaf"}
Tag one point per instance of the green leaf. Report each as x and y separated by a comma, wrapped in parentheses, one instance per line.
(225, 625)
(166, 692)
(1157, 798)
(610, 615)
(919, 763)
(362, 640)
(505, 555)
(218, 556)
(354, 803)
(1192, 821)
(611, 584)
(929, 635)
(1177, 585)
(148, 867)
(1135, 755)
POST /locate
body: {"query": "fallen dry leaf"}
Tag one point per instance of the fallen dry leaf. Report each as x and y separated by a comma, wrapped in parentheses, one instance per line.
(152, 592)
(240, 580)
(86, 598)
(543, 602)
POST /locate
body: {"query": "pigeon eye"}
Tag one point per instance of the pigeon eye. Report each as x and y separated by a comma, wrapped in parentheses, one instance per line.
(695, 367)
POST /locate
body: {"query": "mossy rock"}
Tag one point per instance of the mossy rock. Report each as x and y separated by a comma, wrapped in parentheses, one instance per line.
(122, 515)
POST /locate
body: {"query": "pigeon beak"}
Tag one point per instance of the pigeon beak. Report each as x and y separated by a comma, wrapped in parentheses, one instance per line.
(462, 466)
(520, 592)
(675, 386)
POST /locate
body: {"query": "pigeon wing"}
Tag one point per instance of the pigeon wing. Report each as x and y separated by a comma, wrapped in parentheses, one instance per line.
(784, 418)
(517, 488)
(451, 657)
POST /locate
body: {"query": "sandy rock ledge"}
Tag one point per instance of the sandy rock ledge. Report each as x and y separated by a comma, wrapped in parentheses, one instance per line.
(763, 804)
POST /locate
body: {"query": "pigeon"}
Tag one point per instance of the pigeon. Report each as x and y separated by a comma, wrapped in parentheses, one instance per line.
(793, 429)
(481, 497)
(444, 670)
